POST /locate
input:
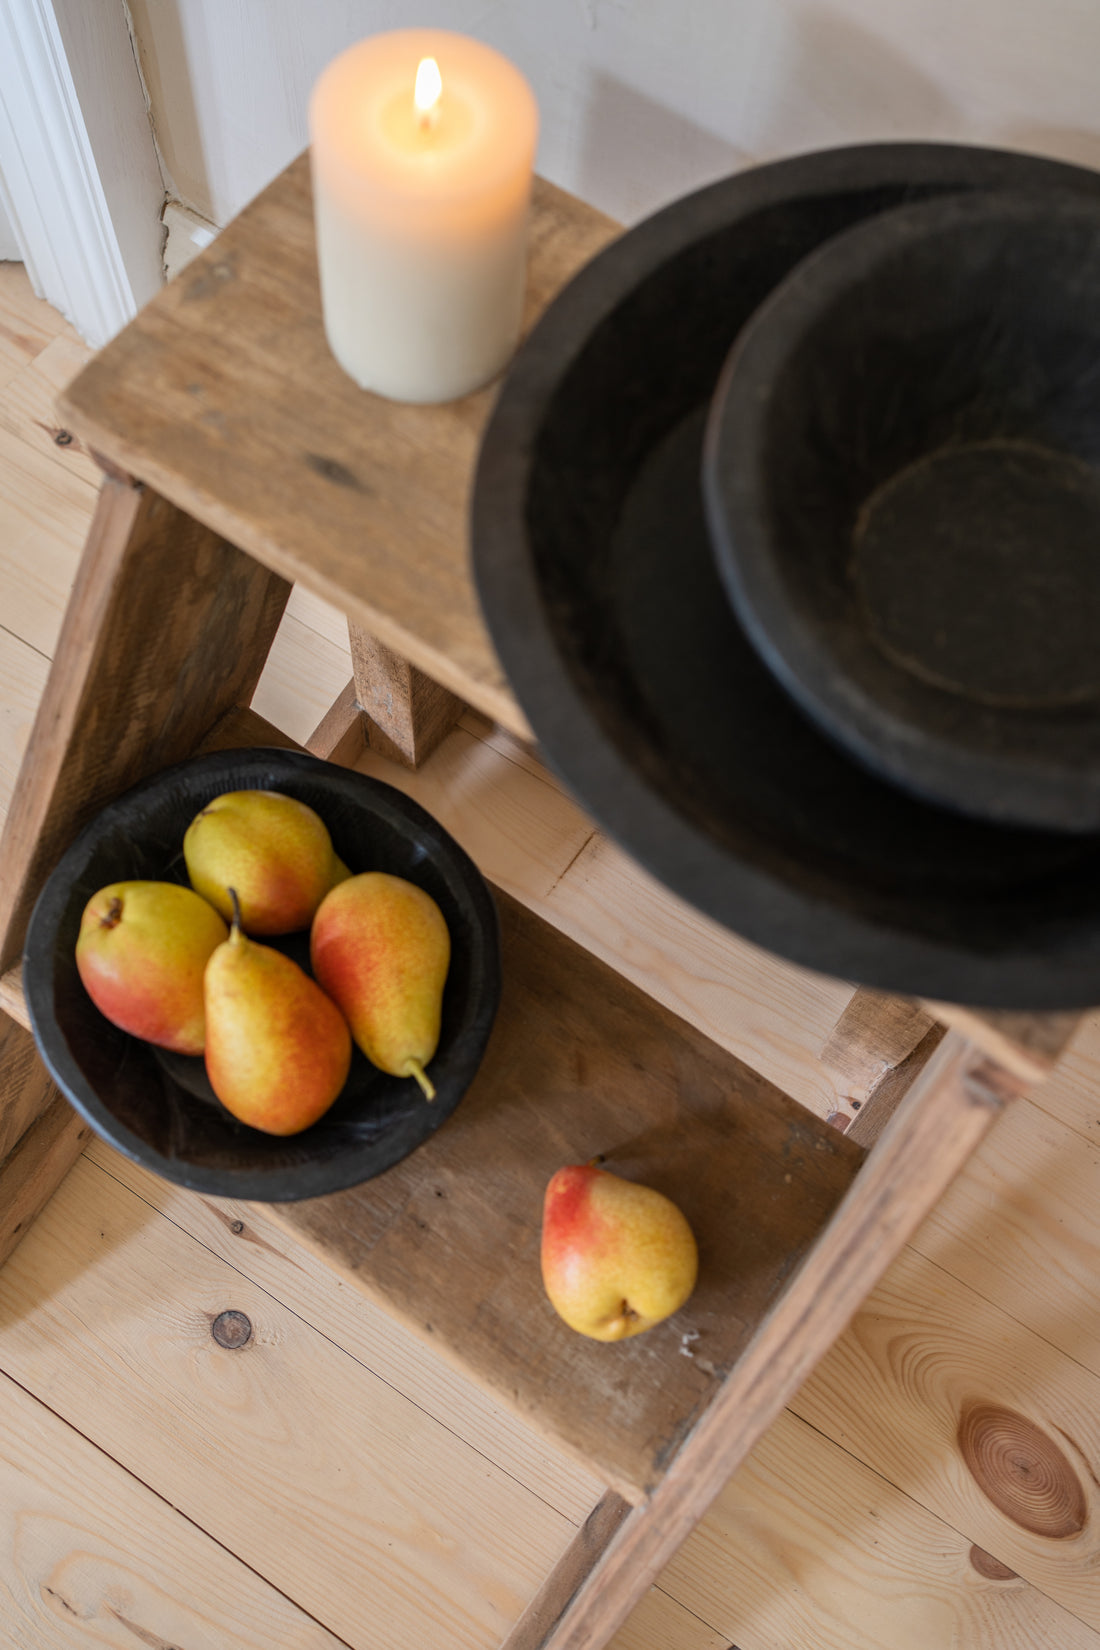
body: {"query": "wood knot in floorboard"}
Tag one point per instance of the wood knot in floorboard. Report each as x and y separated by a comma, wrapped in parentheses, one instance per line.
(1022, 1471)
(989, 1567)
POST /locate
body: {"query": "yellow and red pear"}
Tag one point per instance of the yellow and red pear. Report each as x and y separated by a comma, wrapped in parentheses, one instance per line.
(277, 1049)
(381, 949)
(274, 850)
(617, 1257)
(141, 954)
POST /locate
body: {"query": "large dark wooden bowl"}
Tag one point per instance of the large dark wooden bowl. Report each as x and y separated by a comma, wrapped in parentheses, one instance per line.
(595, 571)
(903, 488)
(158, 1108)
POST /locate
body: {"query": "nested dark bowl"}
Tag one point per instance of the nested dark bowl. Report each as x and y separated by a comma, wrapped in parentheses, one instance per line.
(595, 571)
(158, 1108)
(902, 473)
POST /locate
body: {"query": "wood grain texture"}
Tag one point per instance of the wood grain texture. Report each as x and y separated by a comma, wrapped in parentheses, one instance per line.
(887, 1095)
(659, 1623)
(408, 714)
(341, 734)
(808, 1549)
(245, 1236)
(518, 827)
(582, 1064)
(44, 519)
(23, 672)
(573, 1569)
(27, 324)
(24, 1084)
(13, 1002)
(318, 615)
(28, 406)
(412, 1537)
(922, 1356)
(168, 626)
(88, 1555)
(32, 1172)
(223, 395)
(1029, 1045)
(873, 1036)
(948, 1110)
(522, 828)
(302, 677)
(1071, 1091)
(1022, 1229)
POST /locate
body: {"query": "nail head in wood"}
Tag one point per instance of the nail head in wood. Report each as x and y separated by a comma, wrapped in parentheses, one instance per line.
(231, 1330)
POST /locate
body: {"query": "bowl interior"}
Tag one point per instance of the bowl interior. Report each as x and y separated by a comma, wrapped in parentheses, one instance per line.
(904, 478)
(158, 1107)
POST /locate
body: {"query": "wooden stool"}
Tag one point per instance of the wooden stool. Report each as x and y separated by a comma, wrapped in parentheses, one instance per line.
(238, 459)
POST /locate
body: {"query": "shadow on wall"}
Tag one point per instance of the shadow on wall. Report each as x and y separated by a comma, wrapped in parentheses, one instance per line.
(636, 155)
(816, 80)
(831, 81)
(1059, 143)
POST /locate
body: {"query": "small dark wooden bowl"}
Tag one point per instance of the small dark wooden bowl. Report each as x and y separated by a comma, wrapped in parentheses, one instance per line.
(158, 1108)
(903, 486)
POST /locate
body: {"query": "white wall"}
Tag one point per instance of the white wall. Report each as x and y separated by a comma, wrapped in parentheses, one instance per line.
(641, 99)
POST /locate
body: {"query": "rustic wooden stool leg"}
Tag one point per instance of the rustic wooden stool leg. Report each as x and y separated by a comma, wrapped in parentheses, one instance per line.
(947, 1112)
(407, 713)
(876, 1049)
(168, 628)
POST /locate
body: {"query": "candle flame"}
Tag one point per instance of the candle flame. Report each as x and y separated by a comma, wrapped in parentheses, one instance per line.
(429, 84)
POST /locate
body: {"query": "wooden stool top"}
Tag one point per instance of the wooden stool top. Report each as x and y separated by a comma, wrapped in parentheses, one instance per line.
(223, 395)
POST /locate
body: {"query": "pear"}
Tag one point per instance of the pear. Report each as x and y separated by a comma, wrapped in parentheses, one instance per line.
(141, 953)
(274, 850)
(381, 949)
(277, 1049)
(616, 1257)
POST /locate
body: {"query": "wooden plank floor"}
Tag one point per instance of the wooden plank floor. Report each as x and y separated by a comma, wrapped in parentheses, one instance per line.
(933, 1487)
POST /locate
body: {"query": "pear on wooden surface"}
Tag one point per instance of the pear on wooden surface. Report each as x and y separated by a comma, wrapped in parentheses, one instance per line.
(274, 850)
(617, 1257)
(381, 949)
(141, 953)
(277, 1049)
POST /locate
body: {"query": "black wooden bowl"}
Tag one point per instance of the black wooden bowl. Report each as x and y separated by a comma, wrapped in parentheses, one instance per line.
(158, 1108)
(596, 576)
(903, 486)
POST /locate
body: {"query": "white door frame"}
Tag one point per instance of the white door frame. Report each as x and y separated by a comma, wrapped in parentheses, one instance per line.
(9, 246)
(79, 176)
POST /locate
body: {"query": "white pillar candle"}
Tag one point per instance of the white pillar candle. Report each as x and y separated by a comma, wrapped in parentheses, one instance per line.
(421, 198)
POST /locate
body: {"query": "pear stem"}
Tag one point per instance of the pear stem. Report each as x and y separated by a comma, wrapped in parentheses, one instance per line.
(415, 1069)
(235, 930)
